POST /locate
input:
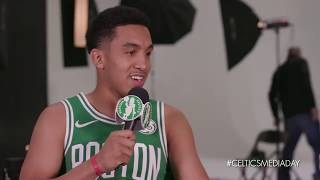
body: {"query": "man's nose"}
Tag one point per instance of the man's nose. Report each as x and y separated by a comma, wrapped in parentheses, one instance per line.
(142, 62)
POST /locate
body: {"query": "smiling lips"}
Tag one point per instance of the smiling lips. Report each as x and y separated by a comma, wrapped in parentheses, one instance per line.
(138, 79)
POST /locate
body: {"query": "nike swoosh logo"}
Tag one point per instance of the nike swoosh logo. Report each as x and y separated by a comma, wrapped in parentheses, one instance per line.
(78, 125)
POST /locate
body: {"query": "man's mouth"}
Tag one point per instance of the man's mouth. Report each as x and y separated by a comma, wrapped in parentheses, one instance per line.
(137, 77)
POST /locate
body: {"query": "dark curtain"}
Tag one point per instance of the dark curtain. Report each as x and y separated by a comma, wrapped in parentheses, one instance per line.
(23, 79)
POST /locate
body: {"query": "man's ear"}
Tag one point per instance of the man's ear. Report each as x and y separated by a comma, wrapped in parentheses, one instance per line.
(97, 58)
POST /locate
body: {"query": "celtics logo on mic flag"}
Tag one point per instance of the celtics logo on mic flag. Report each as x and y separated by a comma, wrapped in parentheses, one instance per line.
(145, 116)
(129, 107)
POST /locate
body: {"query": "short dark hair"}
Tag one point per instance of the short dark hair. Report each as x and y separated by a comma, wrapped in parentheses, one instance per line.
(104, 24)
(294, 51)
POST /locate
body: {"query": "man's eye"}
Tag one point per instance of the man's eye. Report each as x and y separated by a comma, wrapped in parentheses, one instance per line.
(149, 53)
(131, 52)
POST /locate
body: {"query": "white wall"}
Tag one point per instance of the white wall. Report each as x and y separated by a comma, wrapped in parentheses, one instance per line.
(226, 109)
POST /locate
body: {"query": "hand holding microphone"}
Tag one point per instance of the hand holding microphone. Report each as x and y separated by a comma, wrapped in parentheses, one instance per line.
(116, 151)
(134, 110)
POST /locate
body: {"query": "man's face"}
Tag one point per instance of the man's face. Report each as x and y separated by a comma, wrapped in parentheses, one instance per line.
(127, 58)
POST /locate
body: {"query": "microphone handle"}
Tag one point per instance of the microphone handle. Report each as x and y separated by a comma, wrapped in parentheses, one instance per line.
(130, 124)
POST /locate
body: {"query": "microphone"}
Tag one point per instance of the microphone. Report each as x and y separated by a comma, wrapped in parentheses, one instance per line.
(273, 24)
(134, 109)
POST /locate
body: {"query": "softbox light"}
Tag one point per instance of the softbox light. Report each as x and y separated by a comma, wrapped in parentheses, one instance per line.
(240, 30)
(170, 19)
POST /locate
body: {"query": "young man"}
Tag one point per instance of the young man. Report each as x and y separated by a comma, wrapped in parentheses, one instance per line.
(78, 138)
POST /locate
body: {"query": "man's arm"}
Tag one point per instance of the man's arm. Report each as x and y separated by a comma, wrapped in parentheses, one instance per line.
(308, 87)
(46, 150)
(45, 154)
(182, 151)
(274, 96)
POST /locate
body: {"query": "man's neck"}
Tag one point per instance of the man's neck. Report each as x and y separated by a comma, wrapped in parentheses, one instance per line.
(103, 101)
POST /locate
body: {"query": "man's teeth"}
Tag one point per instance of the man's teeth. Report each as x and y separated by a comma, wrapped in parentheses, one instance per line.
(137, 77)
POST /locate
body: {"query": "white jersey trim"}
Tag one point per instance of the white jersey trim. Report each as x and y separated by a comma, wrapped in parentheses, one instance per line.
(164, 128)
(72, 127)
(67, 124)
(159, 119)
(93, 112)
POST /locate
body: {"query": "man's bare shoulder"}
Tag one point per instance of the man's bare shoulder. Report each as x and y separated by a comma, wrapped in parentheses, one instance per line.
(172, 113)
(175, 118)
(53, 116)
(47, 138)
(54, 110)
(181, 146)
(50, 124)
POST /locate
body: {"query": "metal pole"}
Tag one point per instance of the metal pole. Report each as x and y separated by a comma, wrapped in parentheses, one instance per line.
(277, 31)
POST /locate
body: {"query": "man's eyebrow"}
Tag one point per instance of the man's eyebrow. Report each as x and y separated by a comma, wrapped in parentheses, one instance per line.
(134, 45)
(150, 47)
(131, 45)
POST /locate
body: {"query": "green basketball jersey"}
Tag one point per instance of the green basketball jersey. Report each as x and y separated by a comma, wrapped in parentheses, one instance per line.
(87, 130)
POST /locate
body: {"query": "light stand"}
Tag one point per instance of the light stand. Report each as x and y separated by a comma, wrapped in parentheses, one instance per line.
(275, 25)
(278, 58)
